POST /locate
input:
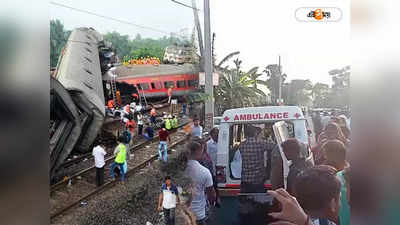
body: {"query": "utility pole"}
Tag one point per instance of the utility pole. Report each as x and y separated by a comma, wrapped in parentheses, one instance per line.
(208, 69)
(198, 27)
(280, 82)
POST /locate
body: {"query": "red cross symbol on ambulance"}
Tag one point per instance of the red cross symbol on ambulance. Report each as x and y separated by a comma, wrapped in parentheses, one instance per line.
(226, 118)
(297, 115)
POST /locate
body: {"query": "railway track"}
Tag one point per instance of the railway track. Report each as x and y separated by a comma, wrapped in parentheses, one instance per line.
(88, 156)
(108, 160)
(65, 197)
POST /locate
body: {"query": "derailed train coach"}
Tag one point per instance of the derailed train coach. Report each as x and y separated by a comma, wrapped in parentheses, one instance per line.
(77, 95)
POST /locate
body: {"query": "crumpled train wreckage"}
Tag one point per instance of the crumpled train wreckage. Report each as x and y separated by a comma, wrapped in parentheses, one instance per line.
(77, 94)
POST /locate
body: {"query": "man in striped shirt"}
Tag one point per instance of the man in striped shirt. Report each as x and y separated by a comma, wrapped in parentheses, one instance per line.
(252, 153)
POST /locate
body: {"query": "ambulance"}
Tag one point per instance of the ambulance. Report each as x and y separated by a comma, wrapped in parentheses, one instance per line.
(275, 125)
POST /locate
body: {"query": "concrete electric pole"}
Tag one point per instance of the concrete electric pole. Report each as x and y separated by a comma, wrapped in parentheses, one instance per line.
(280, 82)
(198, 27)
(208, 69)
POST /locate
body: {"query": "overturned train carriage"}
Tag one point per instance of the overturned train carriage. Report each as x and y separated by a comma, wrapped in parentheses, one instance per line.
(77, 96)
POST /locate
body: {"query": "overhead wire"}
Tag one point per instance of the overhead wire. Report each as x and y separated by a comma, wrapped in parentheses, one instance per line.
(116, 20)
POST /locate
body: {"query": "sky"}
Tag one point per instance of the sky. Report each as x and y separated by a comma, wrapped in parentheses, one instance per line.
(260, 30)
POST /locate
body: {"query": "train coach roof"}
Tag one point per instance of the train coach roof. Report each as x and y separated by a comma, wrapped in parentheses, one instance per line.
(153, 70)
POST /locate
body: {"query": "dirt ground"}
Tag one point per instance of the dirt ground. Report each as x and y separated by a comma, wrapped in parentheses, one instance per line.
(135, 201)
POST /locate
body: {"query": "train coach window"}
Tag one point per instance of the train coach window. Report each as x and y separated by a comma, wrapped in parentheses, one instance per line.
(168, 84)
(180, 84)
(143, 86)
(153, 86)
(192, 83)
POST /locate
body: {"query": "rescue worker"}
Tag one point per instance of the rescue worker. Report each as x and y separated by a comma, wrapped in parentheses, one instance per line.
(110, 104)
(127, 109)
(135, 97)
(174, 122)
(120, 158)
(130, 126)
(118, 96)
(153, 115)
(169, 94)
(140, 123)
(168, 124)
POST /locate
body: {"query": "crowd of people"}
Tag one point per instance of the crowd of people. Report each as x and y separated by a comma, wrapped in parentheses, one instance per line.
(316, 192)
(319, 193)
(137, 124)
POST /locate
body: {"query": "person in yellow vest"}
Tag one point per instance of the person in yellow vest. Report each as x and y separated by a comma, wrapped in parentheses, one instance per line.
(168, 124)
(174, 122)
(120, 158)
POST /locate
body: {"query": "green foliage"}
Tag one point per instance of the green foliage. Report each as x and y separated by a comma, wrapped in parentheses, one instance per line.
(272, 82)
(121, 43)
(297, 92)
(58, 39)
(320, 94)
(340, 93)
(140, 47)
(126, 48)
(237, 88)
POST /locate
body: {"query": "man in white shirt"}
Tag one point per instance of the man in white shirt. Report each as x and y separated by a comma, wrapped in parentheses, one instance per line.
(212, 147)
(99, 153)
(201, 182)
(167, 201)
(196, 129)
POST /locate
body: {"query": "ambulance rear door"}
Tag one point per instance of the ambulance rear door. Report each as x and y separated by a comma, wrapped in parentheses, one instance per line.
(282, 134)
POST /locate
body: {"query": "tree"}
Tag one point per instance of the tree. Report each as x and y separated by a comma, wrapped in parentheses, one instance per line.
(58, 39)
(272, 72)
(320, 95)
(236, 88)
(340, 96)
(300, 92)
(121, 43)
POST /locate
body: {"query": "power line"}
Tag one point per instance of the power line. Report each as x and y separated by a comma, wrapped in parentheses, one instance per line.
(114, 19)
(180, 3)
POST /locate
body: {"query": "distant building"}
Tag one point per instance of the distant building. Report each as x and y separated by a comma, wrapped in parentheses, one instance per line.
(178, 54)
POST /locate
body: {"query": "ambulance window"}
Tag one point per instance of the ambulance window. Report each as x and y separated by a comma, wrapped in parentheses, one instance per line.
(290, 128)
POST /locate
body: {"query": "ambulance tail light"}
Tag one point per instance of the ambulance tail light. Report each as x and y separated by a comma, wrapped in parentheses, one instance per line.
(220, 174)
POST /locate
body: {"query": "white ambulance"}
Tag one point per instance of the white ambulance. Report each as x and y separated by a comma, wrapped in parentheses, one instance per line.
(275, 123)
